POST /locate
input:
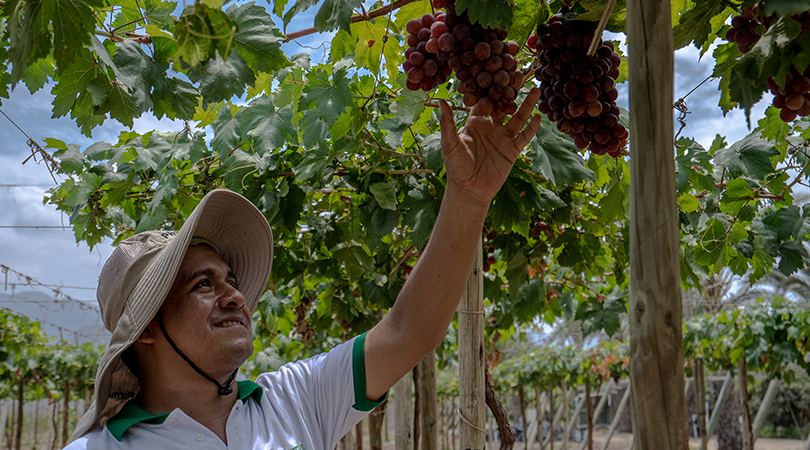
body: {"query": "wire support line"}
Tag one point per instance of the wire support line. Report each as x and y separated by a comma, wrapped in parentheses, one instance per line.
(15, 124)
(35, 227)
(52, 165)
(61, 286)
(23, 185)
(29, 281)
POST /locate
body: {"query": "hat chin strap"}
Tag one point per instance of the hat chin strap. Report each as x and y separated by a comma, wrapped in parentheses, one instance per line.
(223, 390)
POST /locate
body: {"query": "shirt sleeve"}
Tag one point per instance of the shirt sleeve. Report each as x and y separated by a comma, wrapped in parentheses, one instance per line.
(324, 396)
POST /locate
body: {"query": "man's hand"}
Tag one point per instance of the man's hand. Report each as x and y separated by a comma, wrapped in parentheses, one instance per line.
(479, 159)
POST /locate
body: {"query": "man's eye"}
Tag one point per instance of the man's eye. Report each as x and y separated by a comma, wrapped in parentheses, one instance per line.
(234, 284)
(203, 283)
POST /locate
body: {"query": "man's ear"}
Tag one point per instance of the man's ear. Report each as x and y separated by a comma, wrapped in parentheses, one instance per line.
(148, 334)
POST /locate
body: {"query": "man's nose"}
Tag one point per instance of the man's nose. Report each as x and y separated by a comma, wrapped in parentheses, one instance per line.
(231, 298)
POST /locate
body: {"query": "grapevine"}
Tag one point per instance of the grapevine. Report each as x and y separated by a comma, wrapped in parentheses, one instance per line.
(792, 99)
(579, 90)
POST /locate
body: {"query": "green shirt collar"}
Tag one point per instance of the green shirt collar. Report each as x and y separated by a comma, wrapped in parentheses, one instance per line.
(132, 414)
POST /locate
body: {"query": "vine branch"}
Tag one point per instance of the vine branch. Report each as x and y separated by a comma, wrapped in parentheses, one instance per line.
(355, 18)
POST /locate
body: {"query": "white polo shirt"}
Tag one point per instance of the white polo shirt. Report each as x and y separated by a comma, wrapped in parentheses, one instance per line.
(305, 405)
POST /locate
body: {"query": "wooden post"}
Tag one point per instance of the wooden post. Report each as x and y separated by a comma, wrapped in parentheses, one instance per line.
(765, 406)
(574, 419)
(656, 352)
(566, 397)
(20, 403)
(427, 393)
(375, 427)
(522, 407)
(565, 415)
(358, 436)
(615, 423)
(4, 409)
(551, 421)
(403, 413)
(417, 408)
(718, 405)
(599, 407)
(700, 401)
(472, 359)
(588, 441)
(66, 412)
(742, 390)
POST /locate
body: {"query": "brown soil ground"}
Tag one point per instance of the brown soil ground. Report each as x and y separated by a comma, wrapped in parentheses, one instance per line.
(620, 441)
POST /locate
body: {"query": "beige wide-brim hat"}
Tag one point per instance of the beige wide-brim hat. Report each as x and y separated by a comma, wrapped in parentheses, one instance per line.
(138, 275)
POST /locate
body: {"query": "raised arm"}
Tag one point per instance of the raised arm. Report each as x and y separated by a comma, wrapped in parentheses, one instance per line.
(478, 161)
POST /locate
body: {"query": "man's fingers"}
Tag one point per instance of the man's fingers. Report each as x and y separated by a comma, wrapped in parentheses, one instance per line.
(528, 133)
(446, 122)
(519, 119)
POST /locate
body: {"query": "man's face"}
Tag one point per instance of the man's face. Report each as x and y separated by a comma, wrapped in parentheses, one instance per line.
(205, 314)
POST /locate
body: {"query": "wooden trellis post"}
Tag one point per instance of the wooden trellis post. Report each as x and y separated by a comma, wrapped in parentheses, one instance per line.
(656, 355)
(472, 359)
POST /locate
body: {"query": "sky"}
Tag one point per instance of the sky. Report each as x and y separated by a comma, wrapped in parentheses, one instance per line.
(69, 271)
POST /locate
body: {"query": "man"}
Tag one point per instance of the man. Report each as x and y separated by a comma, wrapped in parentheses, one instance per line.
(179, 307)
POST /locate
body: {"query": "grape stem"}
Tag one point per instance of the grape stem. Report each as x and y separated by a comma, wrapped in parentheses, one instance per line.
(355, 18)
(597, 35)
(452, 106)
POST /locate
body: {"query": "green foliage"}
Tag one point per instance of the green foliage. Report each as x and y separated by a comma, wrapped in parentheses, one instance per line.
(771, 337)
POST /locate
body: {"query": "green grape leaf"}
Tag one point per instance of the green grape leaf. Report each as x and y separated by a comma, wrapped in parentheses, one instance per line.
(792, 256)
(371, 43)
(38, 74)
(203, 33)
(313, 130)
(329, 96)
(527, 16)
(313, 164)
(335, 14)
(694, 167)
(386, 194)
(596, 316)
(257, 41)
(408, 105)
(422, 209)
(220, 79)
(72, 160)
(712, 244)
(696, 24)
(297, 7)
(159, 12)
(556, 159)
(786, 223)
(73, 81)
(489, 14)
(227, 132)
(751, 156)
(269, 129)
(785, 8)
(29, 37)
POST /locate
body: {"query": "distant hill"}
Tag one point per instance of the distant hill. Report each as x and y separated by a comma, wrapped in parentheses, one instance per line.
(73, 321)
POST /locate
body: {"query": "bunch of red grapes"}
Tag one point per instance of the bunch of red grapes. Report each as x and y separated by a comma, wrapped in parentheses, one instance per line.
(425, 59)
(579, 91)
(748, 27)
(484, 63)
(794, 98)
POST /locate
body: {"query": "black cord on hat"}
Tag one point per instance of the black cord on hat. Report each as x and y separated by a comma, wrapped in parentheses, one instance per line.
(223, 390)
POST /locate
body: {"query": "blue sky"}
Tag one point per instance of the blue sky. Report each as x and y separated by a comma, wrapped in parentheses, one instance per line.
(52, 256)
